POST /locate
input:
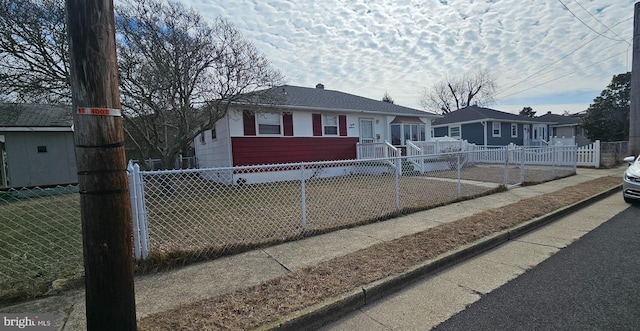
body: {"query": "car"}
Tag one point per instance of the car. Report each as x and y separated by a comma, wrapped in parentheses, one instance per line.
(631, 181)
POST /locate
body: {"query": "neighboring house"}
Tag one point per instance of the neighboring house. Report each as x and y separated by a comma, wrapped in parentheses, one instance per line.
(566, 126)
(490, 127)
(36, 145)
(307, 124)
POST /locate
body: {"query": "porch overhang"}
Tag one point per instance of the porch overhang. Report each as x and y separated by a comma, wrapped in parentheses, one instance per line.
(407, 120)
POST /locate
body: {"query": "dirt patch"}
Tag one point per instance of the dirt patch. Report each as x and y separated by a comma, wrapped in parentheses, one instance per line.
(269, 301)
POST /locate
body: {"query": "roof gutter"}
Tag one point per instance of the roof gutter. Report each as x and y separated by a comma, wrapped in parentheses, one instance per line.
(36, 129)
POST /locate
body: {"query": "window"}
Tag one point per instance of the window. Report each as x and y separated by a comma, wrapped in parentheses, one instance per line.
(454, 132)
(330, 125)
(213, 133)
(396, 135)
(496, 129)
(202, 139)
(514, 130)
(268, 123)
(400, 133)
(42, 149)
(407, 132)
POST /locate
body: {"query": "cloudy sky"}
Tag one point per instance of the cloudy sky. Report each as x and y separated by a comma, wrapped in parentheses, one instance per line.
(551, 55)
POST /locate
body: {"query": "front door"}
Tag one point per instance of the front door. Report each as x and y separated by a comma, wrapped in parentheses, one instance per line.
(366, 131)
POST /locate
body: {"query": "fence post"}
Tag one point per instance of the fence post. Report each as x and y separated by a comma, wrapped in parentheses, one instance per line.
(133, 197)
(506, 166)
(554, 159)
(597, 152)
(459, 167)
(398, 172)
(303, 197)
(142, 213)
(523, 153)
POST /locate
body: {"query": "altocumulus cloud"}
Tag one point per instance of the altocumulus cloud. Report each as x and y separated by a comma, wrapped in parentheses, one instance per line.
(541, 55)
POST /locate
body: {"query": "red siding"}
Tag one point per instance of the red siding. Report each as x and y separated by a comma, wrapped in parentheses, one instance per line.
(249, 123)
(342, 125)
(287, 123)
(317, 124)
(266, 150)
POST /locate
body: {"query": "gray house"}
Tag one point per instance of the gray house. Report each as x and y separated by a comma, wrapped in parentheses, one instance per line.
(36, 145)
(490, 127)
(566, 126)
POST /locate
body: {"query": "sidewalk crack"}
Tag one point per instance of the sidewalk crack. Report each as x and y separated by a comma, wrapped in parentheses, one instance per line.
(273, 258)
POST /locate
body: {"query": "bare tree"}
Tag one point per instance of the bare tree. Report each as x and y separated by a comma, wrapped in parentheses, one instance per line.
(454, 93)
(180, 74)
(34, 60)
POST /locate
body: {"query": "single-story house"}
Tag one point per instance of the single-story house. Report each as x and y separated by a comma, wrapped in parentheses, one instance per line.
(566, 126)
(36, 145)
(490, 127)
(307, 124)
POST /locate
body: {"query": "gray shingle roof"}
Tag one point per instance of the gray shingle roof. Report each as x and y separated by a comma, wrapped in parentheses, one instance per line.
(34, 115)
(475, 114)
(560, 120)
(323, 99)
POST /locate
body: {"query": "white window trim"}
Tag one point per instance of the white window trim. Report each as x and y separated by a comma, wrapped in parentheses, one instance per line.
(516, 132)
(324, 125)
(268, 134)
(495, 128)
(459, 131)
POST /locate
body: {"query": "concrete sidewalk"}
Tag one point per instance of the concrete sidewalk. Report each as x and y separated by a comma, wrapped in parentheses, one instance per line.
(163, 291)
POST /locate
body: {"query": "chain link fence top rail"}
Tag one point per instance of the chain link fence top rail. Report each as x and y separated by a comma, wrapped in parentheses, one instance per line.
(40, 241)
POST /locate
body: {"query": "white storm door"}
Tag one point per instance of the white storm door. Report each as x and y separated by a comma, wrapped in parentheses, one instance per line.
(366, 131)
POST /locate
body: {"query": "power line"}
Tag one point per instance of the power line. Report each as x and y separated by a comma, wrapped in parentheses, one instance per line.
(560, 59)
(608, 28)
(565, 75)
(588, 26)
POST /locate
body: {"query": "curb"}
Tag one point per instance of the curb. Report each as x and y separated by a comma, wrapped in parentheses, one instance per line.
(335, 307)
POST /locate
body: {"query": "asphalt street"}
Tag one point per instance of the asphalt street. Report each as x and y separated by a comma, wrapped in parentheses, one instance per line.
(593, 284)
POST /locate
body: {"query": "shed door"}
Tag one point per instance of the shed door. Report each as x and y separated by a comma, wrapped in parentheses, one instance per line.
(366, 131)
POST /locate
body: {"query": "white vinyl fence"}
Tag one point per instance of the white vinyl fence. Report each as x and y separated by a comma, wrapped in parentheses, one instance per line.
(589, 155)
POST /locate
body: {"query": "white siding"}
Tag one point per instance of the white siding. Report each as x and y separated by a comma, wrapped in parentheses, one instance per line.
(217, 152)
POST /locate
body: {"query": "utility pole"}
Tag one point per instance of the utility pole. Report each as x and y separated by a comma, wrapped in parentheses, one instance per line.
(100, 158)
(634, 114)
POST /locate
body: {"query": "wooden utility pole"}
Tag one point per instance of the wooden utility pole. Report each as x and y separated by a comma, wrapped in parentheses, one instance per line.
(634, 114)
(100, 158)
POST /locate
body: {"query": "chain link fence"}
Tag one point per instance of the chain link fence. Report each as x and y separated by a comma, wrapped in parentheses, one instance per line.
(181, 216)
(613, 153)
(40, 241)
(197, 214)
